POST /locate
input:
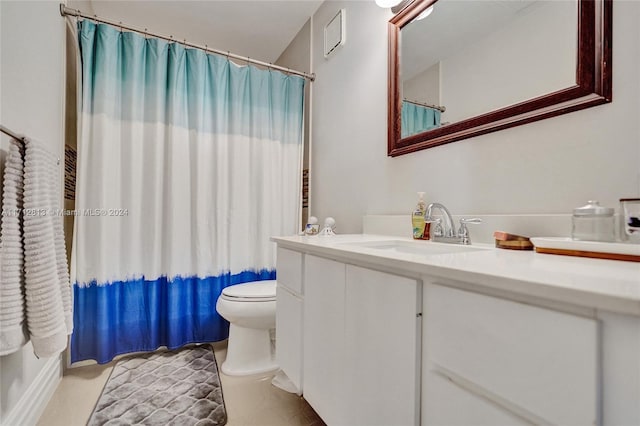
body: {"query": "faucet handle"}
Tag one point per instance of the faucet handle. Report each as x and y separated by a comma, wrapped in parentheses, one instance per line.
(474, 220)
(463, 232)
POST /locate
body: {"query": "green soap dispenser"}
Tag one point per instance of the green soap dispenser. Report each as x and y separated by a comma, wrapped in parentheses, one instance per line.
(420, 227)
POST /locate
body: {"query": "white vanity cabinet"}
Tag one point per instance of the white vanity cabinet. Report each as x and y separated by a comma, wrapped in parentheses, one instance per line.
(506, 362)
(483, 338)
(361, 344)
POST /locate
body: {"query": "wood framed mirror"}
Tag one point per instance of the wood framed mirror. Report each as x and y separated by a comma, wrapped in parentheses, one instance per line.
(520, 62)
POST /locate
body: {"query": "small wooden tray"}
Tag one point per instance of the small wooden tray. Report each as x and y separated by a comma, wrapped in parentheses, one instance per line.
(515, 244)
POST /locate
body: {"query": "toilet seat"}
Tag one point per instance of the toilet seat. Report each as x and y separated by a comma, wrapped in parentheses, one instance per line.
(257, 291)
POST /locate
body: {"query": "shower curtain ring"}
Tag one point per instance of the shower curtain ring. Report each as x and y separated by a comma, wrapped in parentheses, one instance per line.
(120, 26)
(145, 33)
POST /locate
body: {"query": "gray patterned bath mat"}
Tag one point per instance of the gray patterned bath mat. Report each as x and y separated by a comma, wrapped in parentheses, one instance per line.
(163, 388)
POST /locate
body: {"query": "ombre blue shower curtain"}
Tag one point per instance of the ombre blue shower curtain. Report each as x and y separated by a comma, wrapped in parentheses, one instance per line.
(187, 164)
(417, 118)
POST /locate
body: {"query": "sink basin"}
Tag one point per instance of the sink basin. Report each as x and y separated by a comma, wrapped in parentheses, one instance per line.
(418, 247)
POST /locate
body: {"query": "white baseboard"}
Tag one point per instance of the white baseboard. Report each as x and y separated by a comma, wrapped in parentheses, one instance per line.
(30, 407)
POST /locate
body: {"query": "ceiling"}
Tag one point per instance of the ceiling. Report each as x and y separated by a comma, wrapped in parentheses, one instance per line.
(260, 29)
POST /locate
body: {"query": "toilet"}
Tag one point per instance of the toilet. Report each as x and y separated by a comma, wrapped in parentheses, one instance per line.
(250, 309)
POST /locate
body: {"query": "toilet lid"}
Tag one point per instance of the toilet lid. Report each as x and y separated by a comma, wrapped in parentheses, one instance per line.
(255, 290)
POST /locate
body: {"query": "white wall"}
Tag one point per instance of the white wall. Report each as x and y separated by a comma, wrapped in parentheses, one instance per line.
(85, 6)
(550, 166)
(349, 115)
(32, 94)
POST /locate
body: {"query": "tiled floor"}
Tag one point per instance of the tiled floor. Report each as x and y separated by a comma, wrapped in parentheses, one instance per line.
(250, 401)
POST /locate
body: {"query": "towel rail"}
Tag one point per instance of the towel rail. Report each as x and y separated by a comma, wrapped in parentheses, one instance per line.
(11, 133)
(18, 137)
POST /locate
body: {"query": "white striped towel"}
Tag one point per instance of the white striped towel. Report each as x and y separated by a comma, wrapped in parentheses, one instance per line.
(47, 288)
(12, 323)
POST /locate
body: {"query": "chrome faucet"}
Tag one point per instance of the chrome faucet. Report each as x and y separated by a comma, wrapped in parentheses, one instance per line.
(448, 230)
(446, 233)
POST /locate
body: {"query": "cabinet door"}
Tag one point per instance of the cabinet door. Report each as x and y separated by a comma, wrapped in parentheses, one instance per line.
(289, 335)
(323, 355)
(537, 363)
(382, 348)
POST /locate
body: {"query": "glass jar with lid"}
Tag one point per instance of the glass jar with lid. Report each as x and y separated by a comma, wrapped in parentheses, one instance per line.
(593, 222)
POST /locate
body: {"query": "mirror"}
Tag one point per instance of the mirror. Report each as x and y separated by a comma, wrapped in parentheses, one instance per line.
(462, 68)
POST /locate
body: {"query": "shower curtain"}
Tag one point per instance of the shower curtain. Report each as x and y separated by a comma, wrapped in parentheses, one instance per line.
(417, 118)
(187, 164)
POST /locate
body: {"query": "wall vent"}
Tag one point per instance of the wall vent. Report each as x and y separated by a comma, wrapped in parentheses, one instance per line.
(335, 33)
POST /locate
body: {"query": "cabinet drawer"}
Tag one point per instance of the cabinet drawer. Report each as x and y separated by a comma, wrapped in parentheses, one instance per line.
(289, 269)
(533, 361)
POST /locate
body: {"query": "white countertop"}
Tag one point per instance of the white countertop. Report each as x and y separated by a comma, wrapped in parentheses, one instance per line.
(593, 283)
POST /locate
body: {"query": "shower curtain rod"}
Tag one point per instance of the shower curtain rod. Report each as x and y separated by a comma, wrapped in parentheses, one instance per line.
(67, 11)
(438, 107)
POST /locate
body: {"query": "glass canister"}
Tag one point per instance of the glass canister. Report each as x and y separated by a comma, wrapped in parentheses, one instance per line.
(630, 219)
(593, 222)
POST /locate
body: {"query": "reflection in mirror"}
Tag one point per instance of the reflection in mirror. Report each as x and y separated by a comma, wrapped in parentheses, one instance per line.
(418, 117)
(478, 56)
(461, 68)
